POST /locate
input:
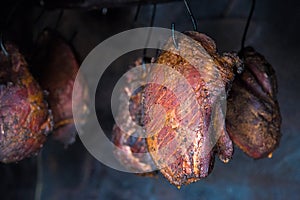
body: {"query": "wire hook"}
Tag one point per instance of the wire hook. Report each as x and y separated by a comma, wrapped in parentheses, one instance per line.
(191, 15)
(137, 11)
(60, 15)
(149, 34)
(3, 46)
(247, 24)
(173, 35)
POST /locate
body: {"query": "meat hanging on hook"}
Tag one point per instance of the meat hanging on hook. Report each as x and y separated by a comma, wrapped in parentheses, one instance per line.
(182, 156)
(130, 145)
(127, 135)
(55, 67)
(253, 119)
(25, 119)
(185, 156)
(183, 141)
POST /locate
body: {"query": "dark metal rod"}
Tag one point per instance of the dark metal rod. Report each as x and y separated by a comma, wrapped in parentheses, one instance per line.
(247, 24)
(191, 15)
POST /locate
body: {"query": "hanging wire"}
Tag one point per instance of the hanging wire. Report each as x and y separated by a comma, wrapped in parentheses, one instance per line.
(61, 13)
(247, 24)
(144, 57)
(3, 46)
(149, 35)
(153, 16)
(151, 25)
(137, 11)
(40, 15)
(173, 35)
(195, 27)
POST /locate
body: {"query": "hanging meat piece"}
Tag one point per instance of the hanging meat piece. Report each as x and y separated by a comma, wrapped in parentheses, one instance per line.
(128, 136)
(25, 119)
(185, 108)
(253, 117)
(56, 68)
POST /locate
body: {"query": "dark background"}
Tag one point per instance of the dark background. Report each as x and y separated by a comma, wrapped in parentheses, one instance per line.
(72, 173)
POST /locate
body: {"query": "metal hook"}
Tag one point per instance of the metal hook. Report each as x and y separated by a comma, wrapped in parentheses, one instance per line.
(137, 11)
(40, 15)
(247, 24)
(153, 15)
(61, 13)
(3, 46)
(191, 15)
(173, 35)
(149, 34)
